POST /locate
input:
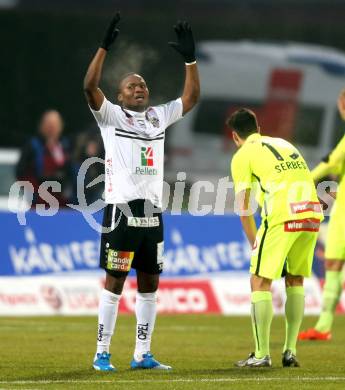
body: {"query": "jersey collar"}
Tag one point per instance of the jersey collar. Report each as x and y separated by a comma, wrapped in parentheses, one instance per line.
(130, 114)
(252, 138)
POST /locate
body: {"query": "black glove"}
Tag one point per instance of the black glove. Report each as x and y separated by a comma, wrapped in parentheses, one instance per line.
(111, 33)
(185, 41)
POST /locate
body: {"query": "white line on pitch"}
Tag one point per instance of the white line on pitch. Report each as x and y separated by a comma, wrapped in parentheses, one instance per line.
(254, 379)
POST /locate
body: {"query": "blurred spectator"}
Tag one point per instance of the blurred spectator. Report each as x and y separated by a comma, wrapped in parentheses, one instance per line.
(89, 144)
(47, 157)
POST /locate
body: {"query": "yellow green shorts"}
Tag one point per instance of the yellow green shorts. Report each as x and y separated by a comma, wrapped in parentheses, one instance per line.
(292, 242)
(335, 239)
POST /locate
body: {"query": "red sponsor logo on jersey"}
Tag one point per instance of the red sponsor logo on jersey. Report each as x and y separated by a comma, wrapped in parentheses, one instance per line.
(302, 225)
(147, 156)
(303, 207)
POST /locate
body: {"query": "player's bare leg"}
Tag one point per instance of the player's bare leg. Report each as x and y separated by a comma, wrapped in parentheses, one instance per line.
(107, 315)
(294, 310)
(261, 315)
(114, 284)
(332, 290)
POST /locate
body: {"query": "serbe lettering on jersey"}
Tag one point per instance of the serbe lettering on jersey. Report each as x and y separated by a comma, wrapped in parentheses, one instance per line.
(147, 161)
(287, 165)
(119, 260)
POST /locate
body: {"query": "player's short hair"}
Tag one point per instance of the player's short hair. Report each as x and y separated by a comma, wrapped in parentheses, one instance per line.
(244, 122)
(123, 77)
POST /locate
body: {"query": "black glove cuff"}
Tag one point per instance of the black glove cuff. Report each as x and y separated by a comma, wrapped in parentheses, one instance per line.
(189, 57)
(104, 45)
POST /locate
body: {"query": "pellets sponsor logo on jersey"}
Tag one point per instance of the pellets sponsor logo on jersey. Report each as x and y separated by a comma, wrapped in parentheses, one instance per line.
(119, 260)
(143, 330)
(147, 156)
(147, 161)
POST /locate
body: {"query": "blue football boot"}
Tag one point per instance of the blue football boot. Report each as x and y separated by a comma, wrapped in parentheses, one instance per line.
(148, 362)
(102, 362)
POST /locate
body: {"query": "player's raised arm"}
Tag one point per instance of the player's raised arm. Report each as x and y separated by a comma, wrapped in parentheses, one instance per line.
(186, 47)
(93, 93)
(332, 164)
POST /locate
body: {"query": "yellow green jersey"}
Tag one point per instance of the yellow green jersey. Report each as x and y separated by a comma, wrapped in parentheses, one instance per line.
(334, 164)
(286, 187)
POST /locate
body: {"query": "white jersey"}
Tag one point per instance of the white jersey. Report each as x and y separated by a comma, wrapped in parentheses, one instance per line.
(134, 150)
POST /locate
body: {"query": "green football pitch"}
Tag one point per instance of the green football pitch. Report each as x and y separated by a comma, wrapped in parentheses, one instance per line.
(56, 353)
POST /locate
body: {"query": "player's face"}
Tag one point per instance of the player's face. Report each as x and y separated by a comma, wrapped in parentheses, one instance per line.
(134, 93)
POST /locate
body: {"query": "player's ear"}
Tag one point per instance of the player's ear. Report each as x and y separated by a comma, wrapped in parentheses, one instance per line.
(236, 138)
(120, 97)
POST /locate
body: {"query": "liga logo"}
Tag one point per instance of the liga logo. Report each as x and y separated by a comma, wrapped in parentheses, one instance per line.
(147, 156)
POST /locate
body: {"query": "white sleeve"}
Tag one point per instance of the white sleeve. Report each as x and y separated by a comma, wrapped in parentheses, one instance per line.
(106, 115)
(172, 111)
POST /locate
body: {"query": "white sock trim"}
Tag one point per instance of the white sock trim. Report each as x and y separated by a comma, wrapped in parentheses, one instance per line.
(146, 296)
(110, 297)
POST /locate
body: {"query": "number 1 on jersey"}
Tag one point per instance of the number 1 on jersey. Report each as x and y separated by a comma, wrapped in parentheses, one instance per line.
(275, 152)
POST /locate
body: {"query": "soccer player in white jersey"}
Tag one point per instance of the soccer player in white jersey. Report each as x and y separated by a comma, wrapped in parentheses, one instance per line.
(133, 134)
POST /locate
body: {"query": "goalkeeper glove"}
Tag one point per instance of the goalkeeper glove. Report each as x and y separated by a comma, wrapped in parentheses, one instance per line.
(185, 41)
(112, 32)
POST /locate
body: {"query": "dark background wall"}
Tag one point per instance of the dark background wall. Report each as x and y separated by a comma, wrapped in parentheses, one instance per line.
(46, 46)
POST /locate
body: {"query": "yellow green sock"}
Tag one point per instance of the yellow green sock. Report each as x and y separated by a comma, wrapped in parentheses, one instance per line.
(294, 310)
(330, 297)
(261, 314)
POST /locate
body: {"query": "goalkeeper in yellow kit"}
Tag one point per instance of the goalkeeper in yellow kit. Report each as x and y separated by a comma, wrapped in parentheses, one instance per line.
(291, 215)
(334, 164)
